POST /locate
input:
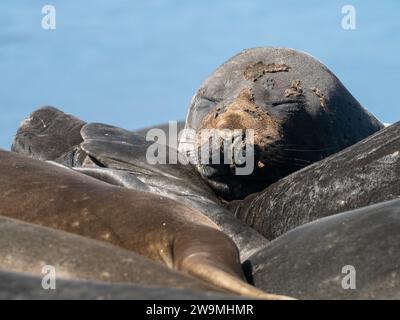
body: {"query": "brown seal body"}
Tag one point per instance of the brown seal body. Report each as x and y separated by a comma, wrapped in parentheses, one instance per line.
(156, 227)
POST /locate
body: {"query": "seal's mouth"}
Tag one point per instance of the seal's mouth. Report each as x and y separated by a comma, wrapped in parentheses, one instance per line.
(268, 167)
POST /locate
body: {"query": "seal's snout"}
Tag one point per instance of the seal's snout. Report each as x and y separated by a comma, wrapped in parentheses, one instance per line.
(248, 130)
(242, 119)
(243, 114)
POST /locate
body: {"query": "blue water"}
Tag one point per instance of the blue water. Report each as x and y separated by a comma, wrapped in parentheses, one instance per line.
(137, 63)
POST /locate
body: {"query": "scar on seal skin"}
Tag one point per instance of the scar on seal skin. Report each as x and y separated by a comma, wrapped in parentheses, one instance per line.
(294, 90)
(320, 95)
(259, 69)
(244, 114)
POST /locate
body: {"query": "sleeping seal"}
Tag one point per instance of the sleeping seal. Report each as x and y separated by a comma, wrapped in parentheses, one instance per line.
(299, 111)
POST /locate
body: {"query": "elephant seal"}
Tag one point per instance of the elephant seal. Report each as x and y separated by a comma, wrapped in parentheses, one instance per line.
(119, 157)
(27, 248)
(363, 174)
(17, 286)
(351, 255)
(299, 111)
(153, 226)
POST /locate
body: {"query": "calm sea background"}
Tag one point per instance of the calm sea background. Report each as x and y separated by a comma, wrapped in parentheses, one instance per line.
(136, 63)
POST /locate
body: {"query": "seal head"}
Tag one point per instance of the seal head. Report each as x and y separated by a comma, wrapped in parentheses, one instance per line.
(298, 110)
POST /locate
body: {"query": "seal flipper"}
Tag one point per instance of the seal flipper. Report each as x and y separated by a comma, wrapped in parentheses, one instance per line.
(211, 256)
(50, 134)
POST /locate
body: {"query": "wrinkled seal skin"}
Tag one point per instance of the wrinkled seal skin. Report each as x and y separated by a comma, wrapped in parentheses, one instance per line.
(300, 111)
(26, 248)
(307, 262)
(158, 228)
(363, 174)
(118, 157)
(17, 286)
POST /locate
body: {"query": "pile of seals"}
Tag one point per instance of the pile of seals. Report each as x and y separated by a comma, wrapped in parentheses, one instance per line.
(324, 197)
